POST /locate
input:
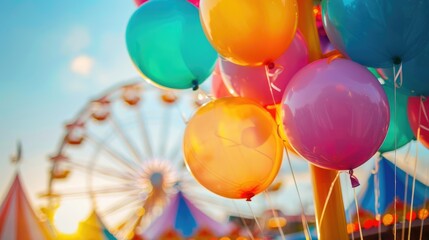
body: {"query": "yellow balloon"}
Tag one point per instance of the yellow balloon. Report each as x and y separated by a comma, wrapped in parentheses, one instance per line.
(232, 148)
(250, 32)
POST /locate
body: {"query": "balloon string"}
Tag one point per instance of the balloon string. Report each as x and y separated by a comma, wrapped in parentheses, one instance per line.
(349, 211)
(405, 193)
(422, 220)
(396, 144)
(328, 197)
(415, 169)
(243, 221)
(256, 219)
(271, 78)
(303, 218)
(398, 75)
(276, 216)
(357, 210)
(377, 194)
(427, 172)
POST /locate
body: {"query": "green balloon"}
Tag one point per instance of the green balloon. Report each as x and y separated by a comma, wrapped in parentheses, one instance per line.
(167, 44)
(401, 128)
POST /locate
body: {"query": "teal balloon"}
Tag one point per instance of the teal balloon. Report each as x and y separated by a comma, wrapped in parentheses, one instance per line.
(401, 127)
(415, 74)
(377, 33)
(167, 44)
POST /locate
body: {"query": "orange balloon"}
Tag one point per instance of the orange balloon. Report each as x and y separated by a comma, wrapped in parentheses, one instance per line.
(232, 148)
(249, 32)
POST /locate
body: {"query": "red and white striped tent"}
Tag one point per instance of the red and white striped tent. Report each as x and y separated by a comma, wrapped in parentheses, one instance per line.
(17, 218)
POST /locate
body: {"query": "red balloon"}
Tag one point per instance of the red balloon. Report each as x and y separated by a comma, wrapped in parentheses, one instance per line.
(416, 108)
(139, 2)
(219, 90)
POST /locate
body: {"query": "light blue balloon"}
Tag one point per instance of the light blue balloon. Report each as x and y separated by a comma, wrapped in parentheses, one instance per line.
(377, 33)
(167, 44)
(415, 75)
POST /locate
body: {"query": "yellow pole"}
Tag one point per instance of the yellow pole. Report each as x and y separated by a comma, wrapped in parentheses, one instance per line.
(334, 225)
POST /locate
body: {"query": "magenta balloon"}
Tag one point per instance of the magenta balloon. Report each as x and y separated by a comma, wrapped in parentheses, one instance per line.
(336, 114)
(251, 82)
(195, 2)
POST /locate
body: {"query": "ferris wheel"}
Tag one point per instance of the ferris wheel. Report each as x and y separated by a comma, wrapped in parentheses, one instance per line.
(122, 157)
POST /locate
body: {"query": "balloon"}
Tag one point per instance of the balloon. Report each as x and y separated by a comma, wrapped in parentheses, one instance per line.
(219, 89)
(415, 75)
(399, 126)
(251, 82)
(377, 33)
(140, 2)
(325, 44)
(232, 148)
(168, 46)
(247, 32)
(195, 2)
(335, 114)
(414, 111)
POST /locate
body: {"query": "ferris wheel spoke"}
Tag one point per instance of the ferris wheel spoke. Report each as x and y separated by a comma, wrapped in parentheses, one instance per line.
(99, 191)
(176, 153)
(145, 135)
(131, 166)
(125, 138)
(128, 226)
(102, 171)
(120, 204)
(164, 132)
(200, 200)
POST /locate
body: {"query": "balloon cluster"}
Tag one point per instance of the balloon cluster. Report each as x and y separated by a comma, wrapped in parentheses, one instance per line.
(334, 112)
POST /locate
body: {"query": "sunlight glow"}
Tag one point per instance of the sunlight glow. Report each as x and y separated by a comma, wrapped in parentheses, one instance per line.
(66, 219)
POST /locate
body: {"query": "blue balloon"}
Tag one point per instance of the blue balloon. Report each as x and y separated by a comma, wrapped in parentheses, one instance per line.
(415, 75)
(377, 33)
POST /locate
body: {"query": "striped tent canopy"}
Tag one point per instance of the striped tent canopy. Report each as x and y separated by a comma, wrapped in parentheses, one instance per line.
(17, 218)
(183, 218)
(386, 179)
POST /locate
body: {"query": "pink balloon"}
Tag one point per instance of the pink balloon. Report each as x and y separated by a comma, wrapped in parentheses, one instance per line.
(195, 2)
(251, 82)
(219, 89)
(336, 114)
(140, 2)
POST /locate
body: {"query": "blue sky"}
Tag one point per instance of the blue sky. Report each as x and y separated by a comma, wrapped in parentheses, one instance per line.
(54, 56)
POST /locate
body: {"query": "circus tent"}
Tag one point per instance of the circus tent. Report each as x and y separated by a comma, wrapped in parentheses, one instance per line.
(386, 180)
(183, 218)
(17, 218)
(94, 229)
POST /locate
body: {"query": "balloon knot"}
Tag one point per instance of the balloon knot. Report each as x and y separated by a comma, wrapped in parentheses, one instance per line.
(353, 179)
(271, 65)
(195, 85)
(397, 60)
(248, 196)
